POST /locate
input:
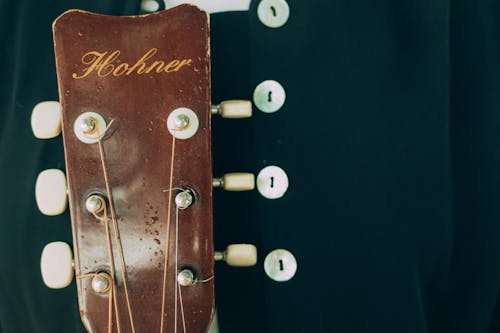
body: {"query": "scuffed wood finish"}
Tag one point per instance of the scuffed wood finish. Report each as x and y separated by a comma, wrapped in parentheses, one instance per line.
(137, 151)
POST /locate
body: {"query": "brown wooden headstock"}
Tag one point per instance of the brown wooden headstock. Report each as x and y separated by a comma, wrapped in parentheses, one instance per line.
(134, 72)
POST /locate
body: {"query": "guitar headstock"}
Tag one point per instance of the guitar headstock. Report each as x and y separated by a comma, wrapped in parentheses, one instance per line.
(131, 88)
(136, 113)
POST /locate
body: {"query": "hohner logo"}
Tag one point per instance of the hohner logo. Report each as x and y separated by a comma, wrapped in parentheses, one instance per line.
(106, 64)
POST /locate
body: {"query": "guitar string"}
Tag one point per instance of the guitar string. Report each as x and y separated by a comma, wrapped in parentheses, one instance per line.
(115, 225)
(110, 310)
(167, 241)
(182, 308)
(178, 286)
(176, 282)
(110, 307)
(112, 296)
(206, 280)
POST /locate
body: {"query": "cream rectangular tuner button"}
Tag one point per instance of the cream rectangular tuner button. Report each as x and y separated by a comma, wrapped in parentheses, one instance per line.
(46, 120)
(51, 192)
(241, 255)
(237, 181)
(233, 109)
(56, 264)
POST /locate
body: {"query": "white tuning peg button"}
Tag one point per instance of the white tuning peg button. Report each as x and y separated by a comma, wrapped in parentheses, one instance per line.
(56, 265)
(51, 192)
(280, 265)
(239, 255)
(233, 109)
(46, 120)
(237, 181)
(272, 182)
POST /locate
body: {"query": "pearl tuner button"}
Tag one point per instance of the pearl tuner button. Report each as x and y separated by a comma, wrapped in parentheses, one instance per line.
(89, 127)
(183, 123)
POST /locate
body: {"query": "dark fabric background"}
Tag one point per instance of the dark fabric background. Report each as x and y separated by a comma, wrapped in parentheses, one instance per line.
(389, 136)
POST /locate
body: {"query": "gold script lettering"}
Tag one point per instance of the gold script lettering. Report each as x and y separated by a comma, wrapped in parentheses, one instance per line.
(182, 63)
(160, 65)
(142, 62)
(92, 59)
(108, 64)
(120, 69)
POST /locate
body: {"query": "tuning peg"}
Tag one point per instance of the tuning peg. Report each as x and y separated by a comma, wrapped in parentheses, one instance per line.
(56, 265)
(237, 181)
(51, 192)
(46, 120)
(240, 255)
(233, 109)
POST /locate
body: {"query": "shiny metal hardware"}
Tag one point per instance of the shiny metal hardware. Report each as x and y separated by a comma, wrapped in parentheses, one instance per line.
(186, 277)
(184, 199)
(101, 283)
(94, 203)
(183, 123)
(89, 127)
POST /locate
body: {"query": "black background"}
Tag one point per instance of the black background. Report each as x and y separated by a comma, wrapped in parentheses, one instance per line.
(389, 136)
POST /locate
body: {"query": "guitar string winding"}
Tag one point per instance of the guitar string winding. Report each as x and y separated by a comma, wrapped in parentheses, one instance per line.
(178, 287)
(110, 302)
(115, 229)
(206, 280)
(112, 296)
